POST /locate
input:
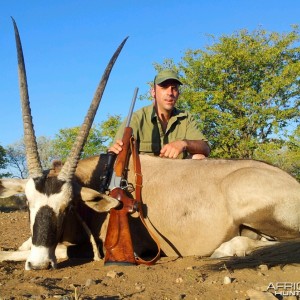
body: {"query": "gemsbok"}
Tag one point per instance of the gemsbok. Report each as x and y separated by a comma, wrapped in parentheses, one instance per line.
(210, 207)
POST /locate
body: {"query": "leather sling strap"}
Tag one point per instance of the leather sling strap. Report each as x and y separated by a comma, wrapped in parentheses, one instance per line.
(138, 197)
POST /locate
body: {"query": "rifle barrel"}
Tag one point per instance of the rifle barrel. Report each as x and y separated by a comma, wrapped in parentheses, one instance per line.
(132, 106)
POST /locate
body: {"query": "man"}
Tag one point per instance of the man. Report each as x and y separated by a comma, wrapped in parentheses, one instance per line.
(161, 129)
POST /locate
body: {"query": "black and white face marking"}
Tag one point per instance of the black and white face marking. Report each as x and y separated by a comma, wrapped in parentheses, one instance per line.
(45, 227)
(48, 199)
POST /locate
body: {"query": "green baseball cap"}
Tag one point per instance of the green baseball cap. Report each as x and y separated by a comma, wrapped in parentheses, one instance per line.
(166, 74)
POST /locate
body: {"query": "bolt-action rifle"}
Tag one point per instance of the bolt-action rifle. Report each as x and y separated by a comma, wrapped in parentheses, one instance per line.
(118, 243)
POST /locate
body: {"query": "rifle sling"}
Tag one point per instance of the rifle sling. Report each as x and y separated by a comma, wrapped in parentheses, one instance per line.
(138, 198)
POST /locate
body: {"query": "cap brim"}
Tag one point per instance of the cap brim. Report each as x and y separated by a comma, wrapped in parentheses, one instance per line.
(165, 79)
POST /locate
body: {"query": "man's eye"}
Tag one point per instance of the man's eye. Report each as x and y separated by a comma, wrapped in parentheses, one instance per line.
(174, 87)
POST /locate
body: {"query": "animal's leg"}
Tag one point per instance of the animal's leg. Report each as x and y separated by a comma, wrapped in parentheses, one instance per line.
(254, 234)
(26, 245)
(92, 239)
(60, 253)
(239, 246)
(14, 255)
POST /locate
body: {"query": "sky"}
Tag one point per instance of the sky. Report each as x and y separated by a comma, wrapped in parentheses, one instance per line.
(67, 45)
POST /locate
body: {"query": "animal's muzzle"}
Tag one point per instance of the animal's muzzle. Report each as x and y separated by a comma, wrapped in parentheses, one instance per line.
(45, 266)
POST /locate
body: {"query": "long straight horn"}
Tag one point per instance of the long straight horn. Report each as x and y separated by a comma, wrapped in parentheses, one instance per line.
(68, 170)
(32, 155)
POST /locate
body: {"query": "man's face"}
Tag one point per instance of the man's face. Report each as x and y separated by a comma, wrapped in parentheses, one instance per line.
(166, 95)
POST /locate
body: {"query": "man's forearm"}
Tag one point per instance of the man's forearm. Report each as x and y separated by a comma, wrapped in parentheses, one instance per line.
(197, 147)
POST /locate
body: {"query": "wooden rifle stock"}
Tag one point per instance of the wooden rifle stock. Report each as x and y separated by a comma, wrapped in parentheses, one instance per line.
(118, 243)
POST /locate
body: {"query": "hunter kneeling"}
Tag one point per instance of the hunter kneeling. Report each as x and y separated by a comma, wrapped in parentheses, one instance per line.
(161, 129)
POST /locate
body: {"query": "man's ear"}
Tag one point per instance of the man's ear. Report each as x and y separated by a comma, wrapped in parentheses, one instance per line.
(153, 92)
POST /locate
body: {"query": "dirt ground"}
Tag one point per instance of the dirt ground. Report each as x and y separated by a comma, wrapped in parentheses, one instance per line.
(170, 278)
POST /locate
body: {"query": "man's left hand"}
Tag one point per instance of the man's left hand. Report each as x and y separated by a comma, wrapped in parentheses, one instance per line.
(172, 150)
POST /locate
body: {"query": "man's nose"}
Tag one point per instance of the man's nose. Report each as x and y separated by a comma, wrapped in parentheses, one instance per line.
(170, 90)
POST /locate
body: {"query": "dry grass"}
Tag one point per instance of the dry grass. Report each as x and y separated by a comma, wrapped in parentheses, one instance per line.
(279, 254)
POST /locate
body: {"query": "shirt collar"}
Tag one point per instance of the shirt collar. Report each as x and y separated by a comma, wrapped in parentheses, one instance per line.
(176, 113)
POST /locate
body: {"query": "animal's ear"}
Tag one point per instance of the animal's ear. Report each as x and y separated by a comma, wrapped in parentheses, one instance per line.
(96, 201)
(12, 186)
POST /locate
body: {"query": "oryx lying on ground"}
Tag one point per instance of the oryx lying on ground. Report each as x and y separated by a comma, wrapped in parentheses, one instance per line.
(192, 206)
(195, 206)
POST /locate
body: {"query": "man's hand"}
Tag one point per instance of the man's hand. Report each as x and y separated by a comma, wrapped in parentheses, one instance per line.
(117, 147)
(172, 150)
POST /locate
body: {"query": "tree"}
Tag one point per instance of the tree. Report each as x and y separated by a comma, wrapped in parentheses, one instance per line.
(244, 90)
(46, 152)
(64, 140)
(3, 162)
(286, 157)
(16, 156)
(99, 138)
(17, 159)
(293, 157)
(110, 127)
(59, 148)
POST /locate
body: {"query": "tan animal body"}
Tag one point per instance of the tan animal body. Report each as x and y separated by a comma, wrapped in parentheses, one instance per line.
(194, 206)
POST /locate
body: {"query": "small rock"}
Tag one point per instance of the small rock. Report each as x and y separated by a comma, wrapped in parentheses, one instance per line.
(179, 280)
(227, 280)
(112, 274)
(139, 286)
(90, 282)
(263, 268)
